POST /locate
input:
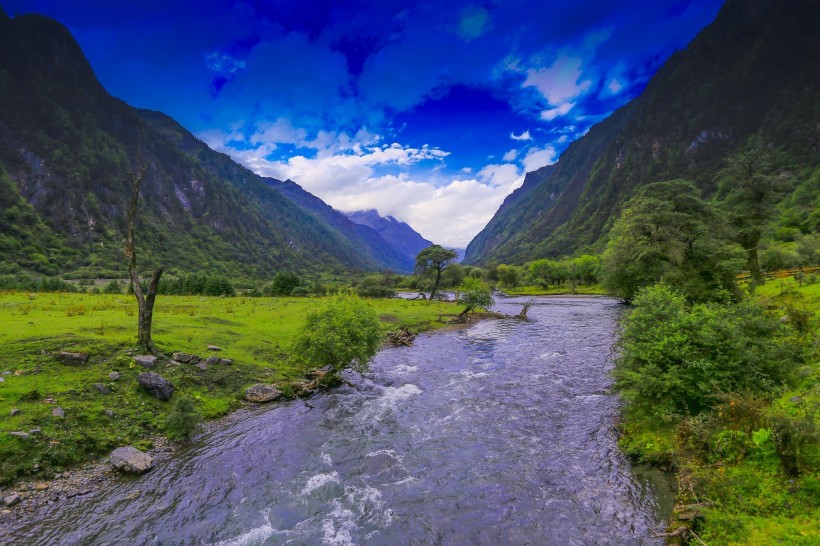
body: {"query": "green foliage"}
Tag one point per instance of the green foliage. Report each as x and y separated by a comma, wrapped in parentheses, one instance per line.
(283, 283)
(184, 420)
(342, 333)
(675, 357)
(581, 270)
(475, 294)
(432, 261)
(667, 232)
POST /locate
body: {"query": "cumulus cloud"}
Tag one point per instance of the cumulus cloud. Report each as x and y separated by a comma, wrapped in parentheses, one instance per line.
(539, 157)
(349, 176)
(523, 136)
(511, 155)
(560, 82)
(558, 111)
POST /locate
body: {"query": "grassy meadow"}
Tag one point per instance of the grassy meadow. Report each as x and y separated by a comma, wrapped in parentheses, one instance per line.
(254, 332)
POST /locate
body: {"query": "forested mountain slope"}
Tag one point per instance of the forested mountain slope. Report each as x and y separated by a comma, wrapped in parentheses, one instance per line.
(749, 80)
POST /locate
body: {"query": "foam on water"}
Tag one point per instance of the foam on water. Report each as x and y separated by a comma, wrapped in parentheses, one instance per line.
(319, 480)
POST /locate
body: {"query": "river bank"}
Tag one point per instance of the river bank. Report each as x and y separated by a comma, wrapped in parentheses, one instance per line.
(502, 431)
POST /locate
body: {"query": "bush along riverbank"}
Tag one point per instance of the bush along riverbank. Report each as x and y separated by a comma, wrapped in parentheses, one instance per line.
(726, 395)
(72, 389)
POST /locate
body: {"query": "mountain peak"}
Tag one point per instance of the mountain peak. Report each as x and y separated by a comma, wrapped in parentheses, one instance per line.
(400, 235)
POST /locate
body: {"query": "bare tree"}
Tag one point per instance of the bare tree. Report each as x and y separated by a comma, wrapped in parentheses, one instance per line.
(145, 301)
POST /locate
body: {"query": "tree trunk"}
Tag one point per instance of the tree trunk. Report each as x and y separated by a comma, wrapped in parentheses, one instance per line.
(145, 302)
(435, 284)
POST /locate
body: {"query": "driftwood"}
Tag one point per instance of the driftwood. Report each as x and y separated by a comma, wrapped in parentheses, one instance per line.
(522, 315)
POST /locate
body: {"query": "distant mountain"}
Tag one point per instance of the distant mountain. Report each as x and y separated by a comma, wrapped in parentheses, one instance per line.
(66, 146)
(403, 238)
(752, 75)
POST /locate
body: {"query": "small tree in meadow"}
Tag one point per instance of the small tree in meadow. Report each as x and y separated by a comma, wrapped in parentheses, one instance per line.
(342, 333)
(475, 294)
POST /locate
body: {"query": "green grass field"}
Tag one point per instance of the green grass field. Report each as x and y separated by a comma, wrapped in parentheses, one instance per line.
(254, 332)
(594, 289)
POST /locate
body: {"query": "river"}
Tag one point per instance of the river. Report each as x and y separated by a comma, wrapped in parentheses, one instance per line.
(498, 434)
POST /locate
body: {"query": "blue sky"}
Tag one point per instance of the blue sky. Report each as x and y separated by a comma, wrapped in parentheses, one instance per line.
(431, 112)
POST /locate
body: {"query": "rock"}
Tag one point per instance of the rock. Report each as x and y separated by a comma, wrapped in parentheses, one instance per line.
(19, 434)
(72, 359)
(102, 389)
(40, 486)
(35, 430)
(108, 413)
(213, 360)
(5, 372)
(186, 358)
(113, 376)
(11, 500)
(262, 393)
(58, 412)
(14, 411)
(225, 361)
(2, 379)
(213, 348)
(202, 366)
(146, 361)
(156, 385)
(134, 495)
(130, 459)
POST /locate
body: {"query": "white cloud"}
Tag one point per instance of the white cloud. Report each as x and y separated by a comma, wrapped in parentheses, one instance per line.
(559, 83)
(523, 136)
(450, 211)
(560, 110)
(539, 157)
(511, 155)
(615, 86)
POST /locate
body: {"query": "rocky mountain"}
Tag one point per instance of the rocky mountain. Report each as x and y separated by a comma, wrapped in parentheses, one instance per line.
(750, 79)
(400, 235)
(66, 146)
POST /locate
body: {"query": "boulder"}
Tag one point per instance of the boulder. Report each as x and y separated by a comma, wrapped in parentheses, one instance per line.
(11, 500)
(225, 361)
(113, 376)
(262, 393)
(19, 434)
(130, 459)
(213, 360)
(14, 411)
(213, 348)
(58, 412)
(101, 388)
(146, 361)
(202, 366)
(156, 385)
(183, 357)
(72, 359)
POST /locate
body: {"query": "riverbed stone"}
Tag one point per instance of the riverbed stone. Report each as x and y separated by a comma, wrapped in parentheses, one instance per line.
(19, 434)
(202, 366)
(11, 500)
(101, 388)
(131, 459)
(156, 385)
(146, 361)
(225, 361)
(71, 358)
(262, 393)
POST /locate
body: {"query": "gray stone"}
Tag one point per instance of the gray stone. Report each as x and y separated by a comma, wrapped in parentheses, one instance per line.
(35, 431)
(213, 348)
(186, 358)
(14, 411)
(146, 361)
(19, 434)
(72, 359)
(156, 385)
(101, 388)
(2, 379)
(11, 500)
(202, 366)
(226, 361)
(58, 412)
(262, 393)
(5, 372)
(130, 459)
(213, 360)
(113, 376)
(108, 413)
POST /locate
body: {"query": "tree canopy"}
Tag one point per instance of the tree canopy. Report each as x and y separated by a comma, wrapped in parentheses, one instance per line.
(434, 260)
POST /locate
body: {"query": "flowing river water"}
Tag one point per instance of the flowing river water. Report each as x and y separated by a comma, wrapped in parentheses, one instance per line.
(498, 434)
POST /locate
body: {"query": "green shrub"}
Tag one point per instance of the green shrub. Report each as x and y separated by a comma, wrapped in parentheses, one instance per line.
(342, 333)
(183, 420)
(475, 294)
